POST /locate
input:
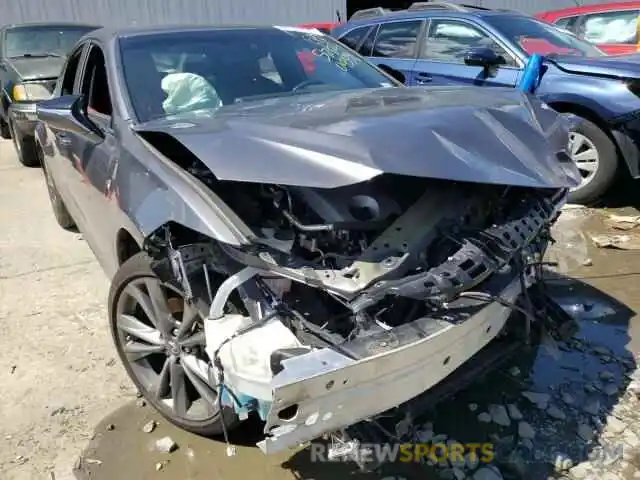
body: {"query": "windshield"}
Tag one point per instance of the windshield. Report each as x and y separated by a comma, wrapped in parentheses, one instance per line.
(202, 71)
(534, 36)
(42, 41)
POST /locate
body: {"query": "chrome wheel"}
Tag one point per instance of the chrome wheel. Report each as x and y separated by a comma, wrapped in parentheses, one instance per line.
(585, 155)
(161, 339)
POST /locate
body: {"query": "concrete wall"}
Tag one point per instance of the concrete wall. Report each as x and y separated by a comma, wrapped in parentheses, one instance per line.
(150, 12)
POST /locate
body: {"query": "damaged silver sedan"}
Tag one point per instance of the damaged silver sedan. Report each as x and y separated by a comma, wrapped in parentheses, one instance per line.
(289, 231)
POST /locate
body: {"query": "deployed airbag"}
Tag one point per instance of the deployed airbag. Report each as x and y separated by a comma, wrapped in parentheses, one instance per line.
(187, 92)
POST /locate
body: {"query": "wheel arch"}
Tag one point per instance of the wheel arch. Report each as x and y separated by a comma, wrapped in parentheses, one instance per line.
(621, 141)
(126, 246)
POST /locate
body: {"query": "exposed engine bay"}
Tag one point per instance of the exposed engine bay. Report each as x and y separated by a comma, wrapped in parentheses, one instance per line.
(358, 292)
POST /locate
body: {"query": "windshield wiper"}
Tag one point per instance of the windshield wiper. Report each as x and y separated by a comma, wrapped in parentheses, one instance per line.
(37, 55)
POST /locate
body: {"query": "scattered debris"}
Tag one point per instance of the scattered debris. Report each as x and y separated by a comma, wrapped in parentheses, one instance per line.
(611, 389)
(562, 463)
(615, 425)
(13, 369)
(149, 426)
(166, 445)
(580, 471)
(93, 461)
(601, 350)
(620, 242)
(555, 412)
(514, 371)
(585, 432)
(623, 222)
(587, 262)
(607, 376)
(484, 417)
(488, 473)
(525, 430)
(514, 413)
(110, 427)
(473, 407)
(540, 400)
(592, 407)
(21, 459)
(141, 402)
(499, 415)
(58, 411)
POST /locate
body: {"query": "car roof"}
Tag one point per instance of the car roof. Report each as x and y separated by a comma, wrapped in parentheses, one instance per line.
(49, 24)
(423, 14)
(595, 8)
(107, 34)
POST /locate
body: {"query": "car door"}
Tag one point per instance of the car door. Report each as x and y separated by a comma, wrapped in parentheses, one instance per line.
(93, 158)
(60, 166)
(442, 53)
(395, 45)
(615, 32)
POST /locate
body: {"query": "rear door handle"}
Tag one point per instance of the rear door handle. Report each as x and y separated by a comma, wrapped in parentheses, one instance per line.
(63, 139)
(423, 78)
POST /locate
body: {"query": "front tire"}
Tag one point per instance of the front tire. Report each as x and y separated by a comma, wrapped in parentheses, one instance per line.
(25, 148)
(60, 212)
(5, 132)
(157, 335)
(596, 157)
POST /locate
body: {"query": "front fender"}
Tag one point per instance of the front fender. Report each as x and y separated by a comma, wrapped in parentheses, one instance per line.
(155, 191)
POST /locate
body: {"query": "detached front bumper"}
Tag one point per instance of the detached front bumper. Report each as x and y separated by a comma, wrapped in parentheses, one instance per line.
(24, 117)
(328, 391)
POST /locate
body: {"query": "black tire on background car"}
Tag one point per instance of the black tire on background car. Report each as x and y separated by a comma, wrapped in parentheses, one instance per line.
(4, 130)
(25, 148)
(155, 332)
(63, 217)
(596, 157)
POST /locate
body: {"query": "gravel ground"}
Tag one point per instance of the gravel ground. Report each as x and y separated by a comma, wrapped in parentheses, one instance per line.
(57, 364)
(68, 411)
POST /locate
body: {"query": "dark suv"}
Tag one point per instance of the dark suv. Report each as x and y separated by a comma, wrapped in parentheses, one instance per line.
(31, 57)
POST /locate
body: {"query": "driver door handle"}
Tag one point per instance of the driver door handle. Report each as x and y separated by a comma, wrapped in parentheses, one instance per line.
(423, 78)
(63, 139)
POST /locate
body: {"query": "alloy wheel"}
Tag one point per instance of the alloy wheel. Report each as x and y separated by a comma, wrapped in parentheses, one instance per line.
(585, 155)
(161, 338)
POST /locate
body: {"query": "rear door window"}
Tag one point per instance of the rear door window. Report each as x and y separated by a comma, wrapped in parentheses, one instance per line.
(619, 27)
(567, 23)
(397, 39)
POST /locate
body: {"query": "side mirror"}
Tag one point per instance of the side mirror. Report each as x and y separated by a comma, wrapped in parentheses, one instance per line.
(483, 57)
(398, 75)
(69, 113)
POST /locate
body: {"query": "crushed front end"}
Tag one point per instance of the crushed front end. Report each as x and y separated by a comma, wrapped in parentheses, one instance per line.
(363, 297)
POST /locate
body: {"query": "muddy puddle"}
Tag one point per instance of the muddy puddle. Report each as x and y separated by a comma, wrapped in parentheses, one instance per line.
(565, 393)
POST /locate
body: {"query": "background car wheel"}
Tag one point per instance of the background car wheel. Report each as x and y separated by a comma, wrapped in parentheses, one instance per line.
(25, 149)
(4, 130)
(159, 338)
(63, 217)
(596, 157)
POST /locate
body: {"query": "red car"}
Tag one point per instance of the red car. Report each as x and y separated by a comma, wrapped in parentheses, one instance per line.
(323, 27)
(613, 27)
(307, 57)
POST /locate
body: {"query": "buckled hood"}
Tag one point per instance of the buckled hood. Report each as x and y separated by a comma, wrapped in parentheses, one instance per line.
(334, 139)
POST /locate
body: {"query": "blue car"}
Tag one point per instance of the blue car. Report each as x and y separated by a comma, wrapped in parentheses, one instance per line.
(436, 43)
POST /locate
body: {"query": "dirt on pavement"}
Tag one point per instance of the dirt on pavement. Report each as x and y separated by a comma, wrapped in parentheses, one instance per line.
(68, 411)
